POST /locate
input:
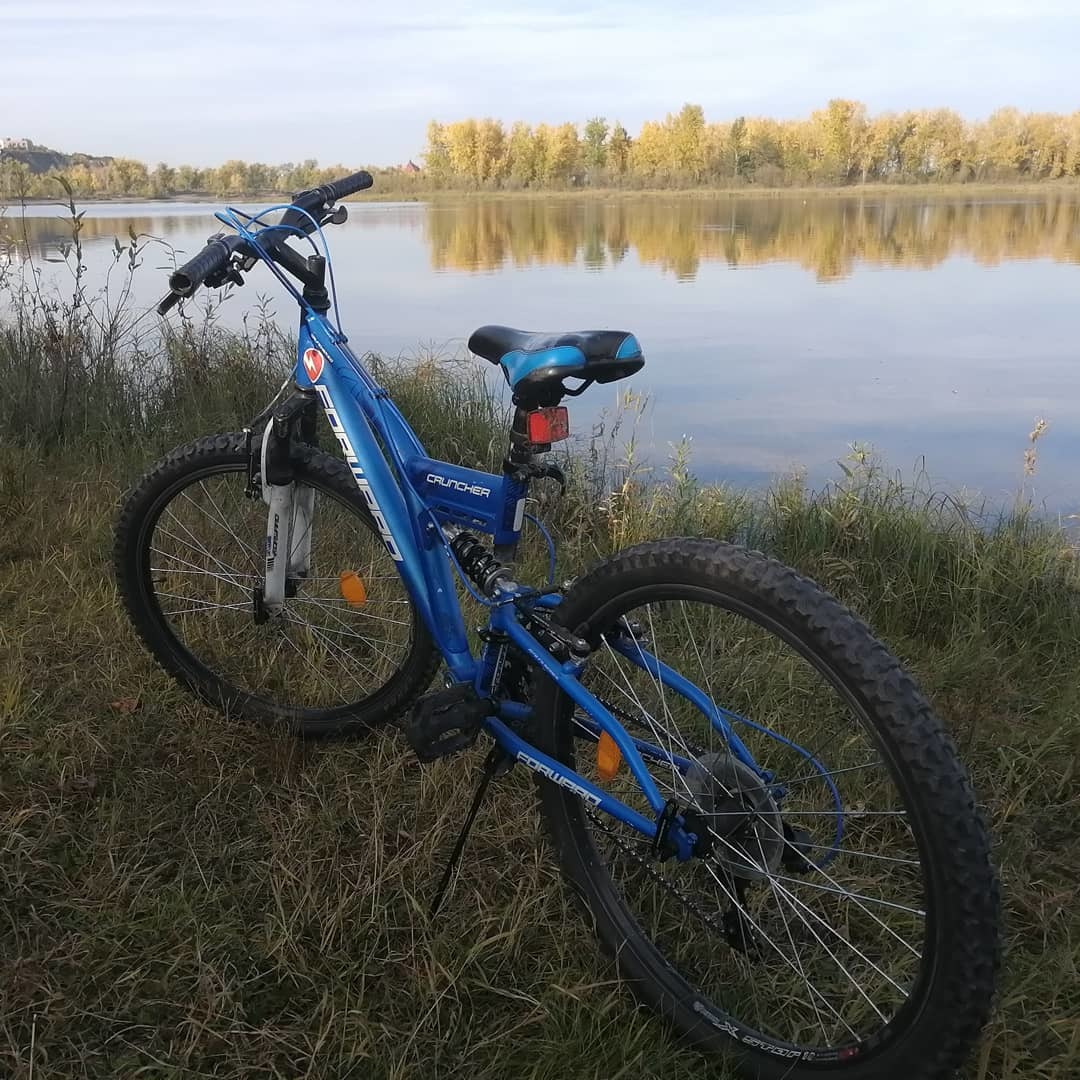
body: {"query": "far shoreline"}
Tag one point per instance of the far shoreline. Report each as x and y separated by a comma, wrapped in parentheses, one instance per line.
(977, 189)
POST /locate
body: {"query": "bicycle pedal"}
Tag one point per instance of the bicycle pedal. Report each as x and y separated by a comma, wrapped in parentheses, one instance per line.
(445, 722)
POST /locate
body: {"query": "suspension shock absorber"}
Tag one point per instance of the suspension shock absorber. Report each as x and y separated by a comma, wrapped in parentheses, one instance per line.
(491, 576)
(485, 571)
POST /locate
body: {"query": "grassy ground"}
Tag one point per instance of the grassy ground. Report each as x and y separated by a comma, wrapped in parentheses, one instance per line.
(184, 896)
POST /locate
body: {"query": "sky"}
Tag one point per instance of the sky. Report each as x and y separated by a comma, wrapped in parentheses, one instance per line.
(202, 81)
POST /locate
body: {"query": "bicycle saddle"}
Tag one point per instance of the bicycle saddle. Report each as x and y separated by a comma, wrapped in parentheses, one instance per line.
(535, 364)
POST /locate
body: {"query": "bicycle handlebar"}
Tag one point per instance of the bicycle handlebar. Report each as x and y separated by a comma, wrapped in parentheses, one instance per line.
(214, 259)
(211, 260)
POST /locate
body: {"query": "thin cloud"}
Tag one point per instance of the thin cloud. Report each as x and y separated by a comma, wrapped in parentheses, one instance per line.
(260, 79)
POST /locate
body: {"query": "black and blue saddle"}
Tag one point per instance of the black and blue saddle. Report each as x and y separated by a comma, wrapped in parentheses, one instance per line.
(536, 364)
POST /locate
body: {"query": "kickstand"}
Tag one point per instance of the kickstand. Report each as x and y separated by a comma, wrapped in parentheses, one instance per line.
(491, 765)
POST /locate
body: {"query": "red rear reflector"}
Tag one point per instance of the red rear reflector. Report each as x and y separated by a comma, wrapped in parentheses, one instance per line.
(549, 425)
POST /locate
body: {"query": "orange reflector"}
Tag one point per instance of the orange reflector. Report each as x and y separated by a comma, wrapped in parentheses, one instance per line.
(608, 756)
(549, 425)
(352, 588)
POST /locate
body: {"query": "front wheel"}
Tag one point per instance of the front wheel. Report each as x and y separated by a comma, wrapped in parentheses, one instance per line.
(843, 917)
(347, 651)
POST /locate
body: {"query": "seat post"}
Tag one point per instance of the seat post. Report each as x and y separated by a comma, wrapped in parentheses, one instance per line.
(520, 452)
(517, 466)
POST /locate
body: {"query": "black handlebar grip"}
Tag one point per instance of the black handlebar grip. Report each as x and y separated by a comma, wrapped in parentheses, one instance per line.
(347, 185)
(211, 260)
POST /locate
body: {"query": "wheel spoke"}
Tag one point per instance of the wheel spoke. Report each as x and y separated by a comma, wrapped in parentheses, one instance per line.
(862, 854)
(794, 900)
(836, 889)
(324, 631)
(797, 957)
(738, 906)
(192, 568)
(846, 894)
(201, 605)
(847, 974)
(662, 735)
(849, 815)
(320, 602)
(335, 579)
(831, 773)
(199, 600)
(312, 666)
(219, 519)
(773, 880)
(346, 630)
(337, 649)
(194, 543)
(199, 573)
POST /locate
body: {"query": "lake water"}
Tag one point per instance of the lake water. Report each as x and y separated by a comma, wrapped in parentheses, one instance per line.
(777, 331)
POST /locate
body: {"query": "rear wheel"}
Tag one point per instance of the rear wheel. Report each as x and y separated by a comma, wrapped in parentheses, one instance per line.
(346, 653)
(845, 919)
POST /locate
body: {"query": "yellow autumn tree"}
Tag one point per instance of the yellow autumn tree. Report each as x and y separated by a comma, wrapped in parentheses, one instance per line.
(619, 150)
(521, 154)
(650, 150)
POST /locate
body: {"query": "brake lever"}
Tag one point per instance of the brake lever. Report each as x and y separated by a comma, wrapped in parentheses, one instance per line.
(338, 216)
(231, 273)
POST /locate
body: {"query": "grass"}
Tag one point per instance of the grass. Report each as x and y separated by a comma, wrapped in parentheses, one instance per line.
(187, 896)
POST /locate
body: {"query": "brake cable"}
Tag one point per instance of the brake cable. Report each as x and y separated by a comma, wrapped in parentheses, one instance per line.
(231, 217)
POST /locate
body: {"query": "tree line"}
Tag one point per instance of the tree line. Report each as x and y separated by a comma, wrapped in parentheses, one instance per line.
(124, 177)
(838, 145)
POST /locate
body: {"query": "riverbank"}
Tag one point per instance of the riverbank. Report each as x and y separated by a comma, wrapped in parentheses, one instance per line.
(1069, 188)
(189, 891)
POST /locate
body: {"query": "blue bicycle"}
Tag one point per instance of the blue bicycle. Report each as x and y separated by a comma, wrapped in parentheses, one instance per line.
(766, 821)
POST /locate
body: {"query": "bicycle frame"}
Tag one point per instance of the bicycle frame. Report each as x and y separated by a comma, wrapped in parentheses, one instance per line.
(411, 497)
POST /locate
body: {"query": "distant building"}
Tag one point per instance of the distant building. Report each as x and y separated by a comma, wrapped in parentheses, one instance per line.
(412, 167)
(17, 144)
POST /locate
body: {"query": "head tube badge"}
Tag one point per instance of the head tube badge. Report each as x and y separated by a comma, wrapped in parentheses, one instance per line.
(313, 363)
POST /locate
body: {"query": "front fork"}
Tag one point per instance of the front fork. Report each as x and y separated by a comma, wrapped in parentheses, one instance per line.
(291, 507)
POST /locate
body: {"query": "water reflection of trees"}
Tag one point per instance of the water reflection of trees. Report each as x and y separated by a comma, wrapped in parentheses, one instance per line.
(825, 236)
(43, 236)
(42, 231)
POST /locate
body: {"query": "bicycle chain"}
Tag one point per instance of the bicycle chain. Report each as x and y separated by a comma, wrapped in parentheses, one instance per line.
(627, 849)
(691, 905)
(660, 879)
